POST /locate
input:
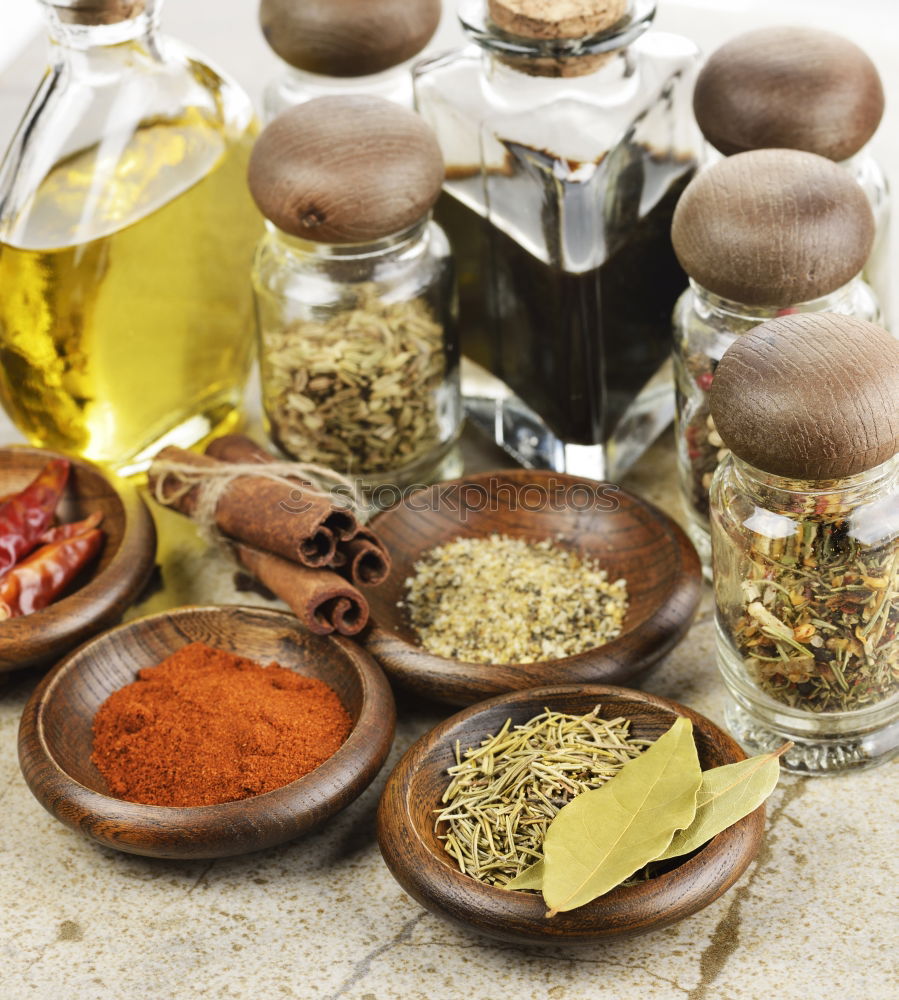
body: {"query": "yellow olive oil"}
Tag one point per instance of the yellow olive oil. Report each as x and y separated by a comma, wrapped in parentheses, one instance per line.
(125, 298)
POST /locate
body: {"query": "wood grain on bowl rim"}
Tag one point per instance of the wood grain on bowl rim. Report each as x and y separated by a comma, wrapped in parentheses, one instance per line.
(664, 582)
(123, 568)
(421, 866)
(61, 710)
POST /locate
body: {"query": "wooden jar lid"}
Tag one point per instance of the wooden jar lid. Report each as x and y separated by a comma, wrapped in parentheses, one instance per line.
(346, 169)
(810, 396)
(799, 88)
(556, 18)
(348, 37)
(773, 227)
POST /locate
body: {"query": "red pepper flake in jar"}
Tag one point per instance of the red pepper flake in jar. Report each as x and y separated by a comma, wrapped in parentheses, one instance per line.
(206, 726)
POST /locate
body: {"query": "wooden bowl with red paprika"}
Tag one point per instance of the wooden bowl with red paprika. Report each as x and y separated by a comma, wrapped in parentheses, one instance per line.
(57, 735)
(78, 586)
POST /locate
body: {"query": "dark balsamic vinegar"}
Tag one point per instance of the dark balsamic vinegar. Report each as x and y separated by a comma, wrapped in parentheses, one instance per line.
(577, 348)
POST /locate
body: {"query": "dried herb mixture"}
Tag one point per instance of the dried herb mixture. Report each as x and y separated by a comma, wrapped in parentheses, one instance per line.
(507, 600)
(818, 628)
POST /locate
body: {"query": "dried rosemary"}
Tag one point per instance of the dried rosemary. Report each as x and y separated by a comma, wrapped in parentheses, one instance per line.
(818, 624)
(359, 391)
(507, 600)
(505, 792)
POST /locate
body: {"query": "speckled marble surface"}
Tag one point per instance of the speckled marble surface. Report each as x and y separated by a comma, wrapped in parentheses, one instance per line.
(322, 918)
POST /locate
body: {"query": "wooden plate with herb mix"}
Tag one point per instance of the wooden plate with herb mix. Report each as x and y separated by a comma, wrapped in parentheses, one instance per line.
(510, 580)
(414, 843)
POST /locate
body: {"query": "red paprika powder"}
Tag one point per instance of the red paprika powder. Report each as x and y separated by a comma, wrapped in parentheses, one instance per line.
(206, 726)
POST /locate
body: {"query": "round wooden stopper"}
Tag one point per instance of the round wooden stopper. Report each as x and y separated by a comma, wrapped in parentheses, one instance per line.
(810, 396)
(348, 37)
(346, 169)
(773, 227)
(799, 88)
(556, 18)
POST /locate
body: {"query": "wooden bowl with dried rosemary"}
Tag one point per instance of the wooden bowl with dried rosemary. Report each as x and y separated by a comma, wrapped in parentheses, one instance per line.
(516, 579)
(480, 790)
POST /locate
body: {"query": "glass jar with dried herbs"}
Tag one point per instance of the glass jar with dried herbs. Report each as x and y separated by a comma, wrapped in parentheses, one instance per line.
(355, 292)
(761, 234)
(805, 539)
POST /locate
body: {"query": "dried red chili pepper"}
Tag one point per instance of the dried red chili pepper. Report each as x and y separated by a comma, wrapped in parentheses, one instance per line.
(45, 574)
(27, 514)
(70, 530)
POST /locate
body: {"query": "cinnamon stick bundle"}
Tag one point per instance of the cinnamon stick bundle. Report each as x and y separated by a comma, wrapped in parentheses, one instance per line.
(255, 510)
(238, 448)
(323, 601)
(360, 555)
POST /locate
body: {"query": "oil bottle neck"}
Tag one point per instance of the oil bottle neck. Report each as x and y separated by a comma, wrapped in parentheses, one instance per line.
(81, 27)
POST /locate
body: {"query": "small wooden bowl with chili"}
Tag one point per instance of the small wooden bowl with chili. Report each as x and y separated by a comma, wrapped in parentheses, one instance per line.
(56, 737)
(107, 585)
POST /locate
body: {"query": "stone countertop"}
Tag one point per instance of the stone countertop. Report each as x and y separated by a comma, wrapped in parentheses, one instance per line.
(322, 918)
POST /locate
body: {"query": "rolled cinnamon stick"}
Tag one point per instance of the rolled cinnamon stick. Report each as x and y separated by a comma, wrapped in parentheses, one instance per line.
(323, 601)
(252, 509)
(363, 560)
(239, 448)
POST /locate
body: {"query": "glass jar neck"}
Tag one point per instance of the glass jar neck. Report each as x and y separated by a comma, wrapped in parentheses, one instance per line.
(520, 51)
(396, 244)
(301, 78)
(819, 497)
(735, 314)
(74, 31)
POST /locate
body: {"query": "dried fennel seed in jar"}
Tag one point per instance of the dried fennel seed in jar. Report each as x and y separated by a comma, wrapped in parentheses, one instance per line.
(504, 793)
(507, 600)
(358, 391)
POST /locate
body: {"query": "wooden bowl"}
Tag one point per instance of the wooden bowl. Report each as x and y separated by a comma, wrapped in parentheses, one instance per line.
(107, 587)
(420, 864)
(630, 537)
(55, 735)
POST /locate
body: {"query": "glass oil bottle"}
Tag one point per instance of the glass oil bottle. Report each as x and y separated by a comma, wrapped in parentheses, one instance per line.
(126, 236)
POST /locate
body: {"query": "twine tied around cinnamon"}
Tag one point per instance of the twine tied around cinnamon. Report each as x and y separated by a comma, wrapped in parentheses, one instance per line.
(173, 480)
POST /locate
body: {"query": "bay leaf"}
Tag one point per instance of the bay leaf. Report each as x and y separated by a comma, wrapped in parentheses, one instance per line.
(726, 795)
(530, 878)
(602, 836)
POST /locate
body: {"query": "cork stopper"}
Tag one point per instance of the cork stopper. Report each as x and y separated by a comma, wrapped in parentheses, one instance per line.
(547, 19)
(346, 169)
(773, 227)
(810, 396)
(347, 38)
(799, 88)
(97, 12)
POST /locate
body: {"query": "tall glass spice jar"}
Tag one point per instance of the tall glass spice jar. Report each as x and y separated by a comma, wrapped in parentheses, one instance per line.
(760, 234)
(805, 537)
(338, 47)
(801, 88)
(568, 137)
(355, 294)
(126, 317)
